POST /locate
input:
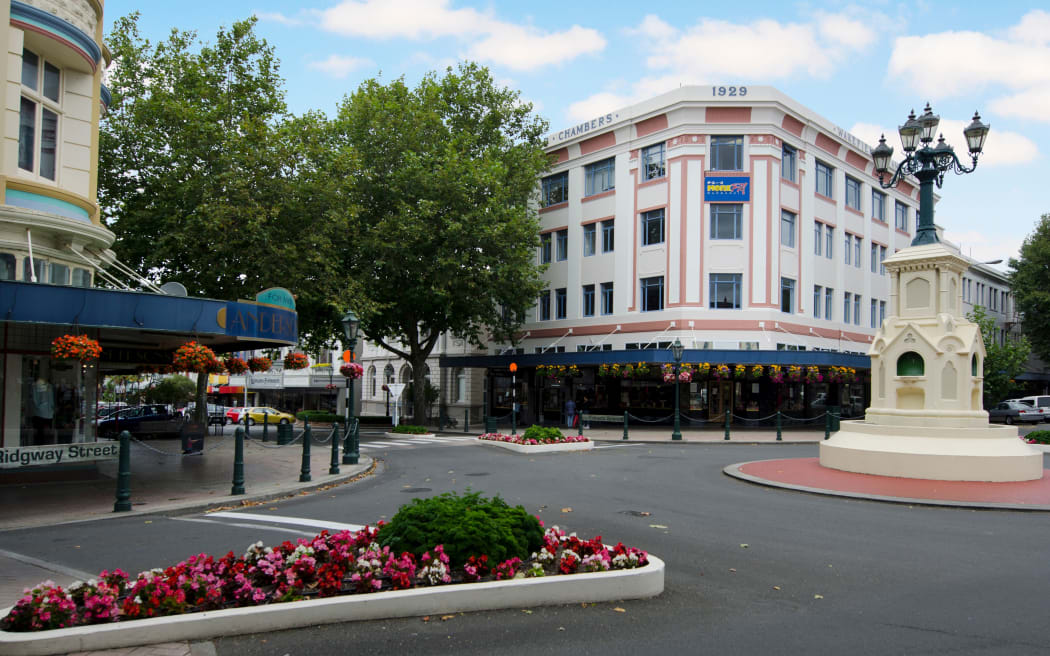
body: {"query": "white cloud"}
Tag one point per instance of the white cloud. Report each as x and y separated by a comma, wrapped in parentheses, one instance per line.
(847, 31)
(276, 17)
(1002, 148)
(987, 246)
(519, 47)
(1033, 104)
(339, 67)
(597, 105)
(652, 27)
(1033, 28)
(525, 49)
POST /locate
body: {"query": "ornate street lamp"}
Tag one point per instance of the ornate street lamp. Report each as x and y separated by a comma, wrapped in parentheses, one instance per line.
(928, 164)
(676, 353)
(350, 447)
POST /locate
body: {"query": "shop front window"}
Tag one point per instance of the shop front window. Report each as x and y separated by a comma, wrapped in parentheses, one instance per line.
(58, 401)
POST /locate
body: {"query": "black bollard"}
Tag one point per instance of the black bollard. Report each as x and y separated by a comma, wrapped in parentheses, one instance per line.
(123, 502)
(266, 426)
(333, 466)
(238, 462)
(827, 425)
(727, 423)
(466, 420)
(625, 425)
(304, 470)
(778, 427)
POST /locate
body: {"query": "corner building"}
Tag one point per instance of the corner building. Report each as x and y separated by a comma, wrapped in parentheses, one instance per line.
(730, 217)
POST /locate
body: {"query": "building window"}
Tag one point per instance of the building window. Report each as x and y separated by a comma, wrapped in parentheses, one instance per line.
(853, 193)
(882, 258)
(829, 303)
(563, 245)
(856, 250)
(846, 307)
(545, 306)
(372, 386)
(727, 221)
(824, 183)
(35, 272)
(560, 303)
(652, 294)
(598, 177)
(787, 228)
(38, 115)
(7, 266)
(555, 189)
(460, 376)
(60, 274)
(607, 298)
(901, 213)
(829, 242)
(856, 309)
(590, 238)
(727, 153)
(873, 312)
(878, 205)
(608, 235)
(545, 248)
(725, 291)
(816, 301)
(652, 227)
(789, 163)
(874, 257)
(787, 295)
(588, 300)
(818, 237)
(653, 162)
(849, 249)
(882, 312)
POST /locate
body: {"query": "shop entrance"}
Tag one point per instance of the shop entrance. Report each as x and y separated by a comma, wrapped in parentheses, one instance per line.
(721, 399)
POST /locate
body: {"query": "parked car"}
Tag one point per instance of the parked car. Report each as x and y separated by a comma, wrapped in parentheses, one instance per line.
(234, 414)
(141, 421)
(255, 416)
(1011, 412)
(1041, 402)
(216, 413)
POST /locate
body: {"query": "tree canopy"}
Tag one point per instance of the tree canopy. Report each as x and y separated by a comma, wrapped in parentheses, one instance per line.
(1002, 360)
(444, 236)
(1030, 285)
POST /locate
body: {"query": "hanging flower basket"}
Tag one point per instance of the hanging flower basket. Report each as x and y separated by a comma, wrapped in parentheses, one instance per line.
(296, 361)
(259, 365)
(685, 376)
(703, 370)
(794, 373)
(641, 370)
(776, 373)
(75, 347)
(235, 366)
(353, 371)
(574, 371)
(609, 370)
(214, 366)
(627, 371)
(813, 375)
(721, 372)
(740, 371)
(193, 356)
(756, 372)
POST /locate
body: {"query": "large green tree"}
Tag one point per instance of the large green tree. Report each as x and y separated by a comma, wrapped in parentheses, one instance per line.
(445, 234)
(1002, 360)
(1030, 285)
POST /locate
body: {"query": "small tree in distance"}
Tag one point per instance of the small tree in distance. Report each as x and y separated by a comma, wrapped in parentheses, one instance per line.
(1002, 361)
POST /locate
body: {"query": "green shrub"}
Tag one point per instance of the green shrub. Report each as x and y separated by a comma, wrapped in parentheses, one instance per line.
(1039, 436)
(410, 429)
(543, 433)
(468, 525)
(319, 417)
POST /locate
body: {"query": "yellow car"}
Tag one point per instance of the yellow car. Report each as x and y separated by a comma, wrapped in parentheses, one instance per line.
(272, 417)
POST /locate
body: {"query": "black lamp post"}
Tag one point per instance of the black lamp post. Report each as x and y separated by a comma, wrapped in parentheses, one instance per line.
(928, 164)
(350, 447)
(676, 352)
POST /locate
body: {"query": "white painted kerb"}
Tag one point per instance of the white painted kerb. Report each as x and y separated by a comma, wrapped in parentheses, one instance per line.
(614, 585)
(539, 448)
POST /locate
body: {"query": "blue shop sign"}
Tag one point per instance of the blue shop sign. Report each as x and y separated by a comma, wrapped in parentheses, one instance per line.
(727, 189)
(241, 319)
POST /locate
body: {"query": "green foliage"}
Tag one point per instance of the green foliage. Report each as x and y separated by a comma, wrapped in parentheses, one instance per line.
(468, 525)
(542, 433)
(1039, 436)
(410, 429)
(171, 390)
(1002, 362)
(444, 239)
(1030, 285)
(320, 416)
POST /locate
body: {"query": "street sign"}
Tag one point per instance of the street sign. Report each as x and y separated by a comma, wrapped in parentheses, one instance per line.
(396, 389)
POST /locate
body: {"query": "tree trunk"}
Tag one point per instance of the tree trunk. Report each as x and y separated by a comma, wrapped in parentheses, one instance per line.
(419, 397)
(200, 412)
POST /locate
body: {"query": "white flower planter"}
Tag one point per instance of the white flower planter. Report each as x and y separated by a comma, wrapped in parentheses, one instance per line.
(539, 448)
(614, 585)
(401, 436)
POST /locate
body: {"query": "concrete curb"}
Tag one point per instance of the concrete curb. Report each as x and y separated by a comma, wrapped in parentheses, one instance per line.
(588, 587)
(539, 448)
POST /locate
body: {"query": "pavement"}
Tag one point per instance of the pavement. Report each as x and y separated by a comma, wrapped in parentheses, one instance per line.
(163, 479)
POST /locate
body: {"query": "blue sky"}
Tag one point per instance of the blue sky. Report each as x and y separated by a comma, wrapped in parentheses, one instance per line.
(861, 66)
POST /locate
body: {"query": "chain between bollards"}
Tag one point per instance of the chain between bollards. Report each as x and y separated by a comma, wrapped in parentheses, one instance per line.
(333, 466)
(727, 424)
(123, 502)
(625, 425)
(238, 461)
(304, 470)
(779, 432)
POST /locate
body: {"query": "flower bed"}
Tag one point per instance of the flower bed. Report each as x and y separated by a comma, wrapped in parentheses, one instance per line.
(525, 444)
(337, 574)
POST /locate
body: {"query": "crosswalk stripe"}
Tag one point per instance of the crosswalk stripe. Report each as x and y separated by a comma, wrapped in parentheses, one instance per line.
(295, 521)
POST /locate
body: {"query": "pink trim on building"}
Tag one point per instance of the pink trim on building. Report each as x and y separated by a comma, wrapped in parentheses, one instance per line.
(792, 125)
(606, 140)
(827, 144)
(548, 230)
(556, 206)
(560, 155)
(728, 115)
(587, 199)
(604, 218)
(853, 211)
(650, 125)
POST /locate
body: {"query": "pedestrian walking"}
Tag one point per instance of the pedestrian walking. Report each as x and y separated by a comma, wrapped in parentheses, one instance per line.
(570, 412)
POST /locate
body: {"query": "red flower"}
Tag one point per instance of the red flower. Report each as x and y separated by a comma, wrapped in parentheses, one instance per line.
(296, 361)
(79, 347)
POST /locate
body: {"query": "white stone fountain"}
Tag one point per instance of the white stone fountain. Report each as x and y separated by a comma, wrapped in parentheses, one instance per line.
(926, 418)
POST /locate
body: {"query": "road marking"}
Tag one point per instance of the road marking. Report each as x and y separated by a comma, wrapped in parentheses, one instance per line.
(54, 567)
(254, 527)
(613, 446)
(297, 521)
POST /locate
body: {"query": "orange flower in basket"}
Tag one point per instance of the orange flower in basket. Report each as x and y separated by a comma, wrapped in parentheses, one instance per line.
(235, 365)
(260, 364)
(75, 347)
(192, 356)
(296, 361)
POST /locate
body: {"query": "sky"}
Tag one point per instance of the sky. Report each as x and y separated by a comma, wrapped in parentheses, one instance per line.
(861, 66)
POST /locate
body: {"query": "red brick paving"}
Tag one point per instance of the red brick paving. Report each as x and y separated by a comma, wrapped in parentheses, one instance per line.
(807, 472)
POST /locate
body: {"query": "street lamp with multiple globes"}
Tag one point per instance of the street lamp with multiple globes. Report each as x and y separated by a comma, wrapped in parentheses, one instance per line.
(350, 447)
(676, 353)
(928, 164)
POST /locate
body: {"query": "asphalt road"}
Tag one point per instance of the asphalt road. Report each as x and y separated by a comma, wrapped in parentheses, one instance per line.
(749, 569)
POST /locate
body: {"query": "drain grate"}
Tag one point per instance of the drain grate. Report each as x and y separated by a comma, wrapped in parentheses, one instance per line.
(414, 490)
(478, 474)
